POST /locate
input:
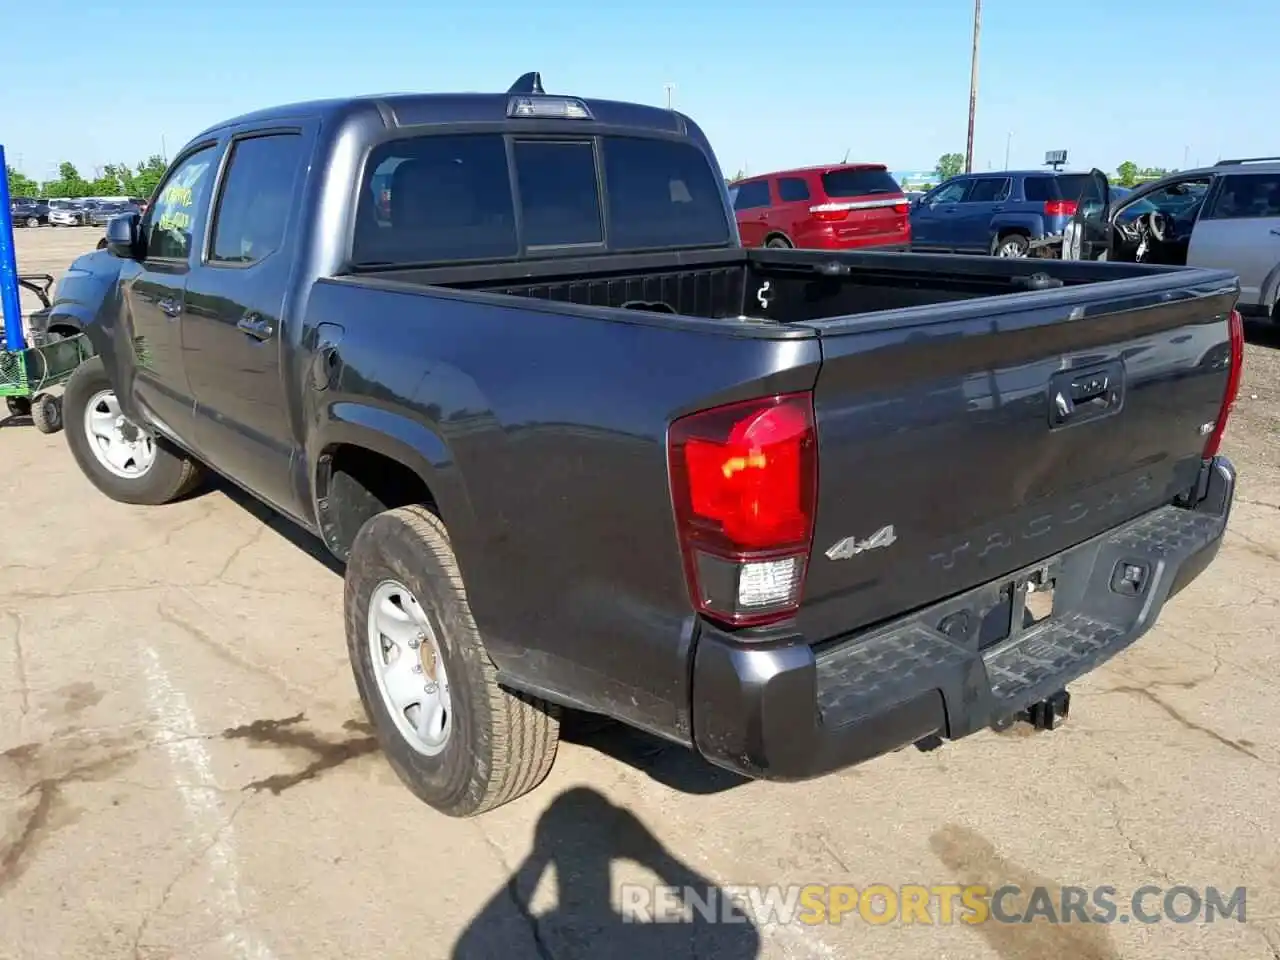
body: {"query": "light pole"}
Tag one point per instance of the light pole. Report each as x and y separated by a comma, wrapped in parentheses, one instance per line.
(671, 89)
(973, 85)
(1008, 139)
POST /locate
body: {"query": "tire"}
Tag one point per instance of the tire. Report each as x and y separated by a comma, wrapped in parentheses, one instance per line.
(500, 744)
(1011, 245)
(18, 406)
(169, 476)
(46, 413)
(33, 221)
(778, 243)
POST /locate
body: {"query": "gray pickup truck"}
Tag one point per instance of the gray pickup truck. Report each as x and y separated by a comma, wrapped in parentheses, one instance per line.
(578, 449)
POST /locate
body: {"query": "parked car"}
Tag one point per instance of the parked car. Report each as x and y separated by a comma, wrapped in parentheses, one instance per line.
(28, 212)
(1224, 217)
(100, 214)
(995, 213)
(579, 449)
(839, 207)
(72, 213)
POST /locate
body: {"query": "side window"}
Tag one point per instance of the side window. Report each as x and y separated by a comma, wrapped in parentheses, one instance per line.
(1248, 196)
(950, 193)
(559, 199)
(792, 190)
(752, 195)
(173, 215)
(255, 197)
(988, 190)
(1038, 189)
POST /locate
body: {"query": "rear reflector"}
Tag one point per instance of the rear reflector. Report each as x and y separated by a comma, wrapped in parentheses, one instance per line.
(1060, 208)
(1235, 330)
(744, 487)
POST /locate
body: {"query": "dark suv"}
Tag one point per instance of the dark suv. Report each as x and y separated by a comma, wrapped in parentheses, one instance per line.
(28, 212)
(996, 213)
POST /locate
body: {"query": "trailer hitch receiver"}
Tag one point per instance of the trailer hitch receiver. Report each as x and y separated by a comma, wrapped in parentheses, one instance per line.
(1049, 713)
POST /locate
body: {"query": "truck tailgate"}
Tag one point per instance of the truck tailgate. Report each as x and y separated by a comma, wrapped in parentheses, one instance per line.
(959, 444)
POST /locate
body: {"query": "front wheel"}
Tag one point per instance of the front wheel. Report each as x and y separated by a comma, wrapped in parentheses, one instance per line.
(462, 743)
(33, 221)
(122, 459)
(1012, 245)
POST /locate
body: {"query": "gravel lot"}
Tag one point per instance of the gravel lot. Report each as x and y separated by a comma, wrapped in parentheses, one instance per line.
(185, 770)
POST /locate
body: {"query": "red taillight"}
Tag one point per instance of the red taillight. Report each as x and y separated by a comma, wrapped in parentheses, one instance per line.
(1235, 330)
(744, 481)
(830, 212)
(903, 207)
(1060, 208)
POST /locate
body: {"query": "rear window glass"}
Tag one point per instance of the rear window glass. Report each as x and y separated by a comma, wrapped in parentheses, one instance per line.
(436, 199)
(1069, 186)
(859, 183)
(661, 194)
(558, 195)
(443, 199)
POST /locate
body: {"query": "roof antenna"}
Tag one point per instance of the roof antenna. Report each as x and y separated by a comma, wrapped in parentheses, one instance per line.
(529, 83)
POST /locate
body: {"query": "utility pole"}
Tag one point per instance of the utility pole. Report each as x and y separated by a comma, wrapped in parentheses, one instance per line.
(973, 85)
(1007, 141)
(671, 89)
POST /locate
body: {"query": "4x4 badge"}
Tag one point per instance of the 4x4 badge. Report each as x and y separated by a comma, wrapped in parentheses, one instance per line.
(852, 546)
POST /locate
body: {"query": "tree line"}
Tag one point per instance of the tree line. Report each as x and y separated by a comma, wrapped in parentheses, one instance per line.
(113, 180)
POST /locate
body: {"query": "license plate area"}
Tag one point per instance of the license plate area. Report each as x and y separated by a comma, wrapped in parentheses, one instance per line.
(1020, 605)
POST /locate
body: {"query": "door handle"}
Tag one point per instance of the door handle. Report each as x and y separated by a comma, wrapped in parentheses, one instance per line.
(169, 307)
(1075, 397)
(1275, 232)
(997, 209)
(256, 325)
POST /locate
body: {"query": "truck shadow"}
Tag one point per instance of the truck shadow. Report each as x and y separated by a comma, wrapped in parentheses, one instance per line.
(279, 524)
(579, 836)
(669, 764)
(1260, 333)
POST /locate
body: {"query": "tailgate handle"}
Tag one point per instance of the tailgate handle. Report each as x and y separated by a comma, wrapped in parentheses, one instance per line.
(1078, 396)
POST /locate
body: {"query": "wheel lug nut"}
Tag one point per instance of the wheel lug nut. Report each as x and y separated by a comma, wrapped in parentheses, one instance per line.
(429, 688)
(415, 643)
(417, 668)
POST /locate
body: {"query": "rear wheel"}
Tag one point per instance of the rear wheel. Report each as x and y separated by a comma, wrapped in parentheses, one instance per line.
(33, 221)
(458, 740)
(125, 461)
(778, 242)
(1012, 245)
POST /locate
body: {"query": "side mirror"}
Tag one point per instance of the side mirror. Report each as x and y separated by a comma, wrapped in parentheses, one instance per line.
(122, 236)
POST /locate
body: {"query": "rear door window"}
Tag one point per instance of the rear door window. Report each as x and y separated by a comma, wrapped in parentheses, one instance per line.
(858, 183)
(751, 195)
(1247, 196)
(792, 189)
(255, 199)
(988, 190)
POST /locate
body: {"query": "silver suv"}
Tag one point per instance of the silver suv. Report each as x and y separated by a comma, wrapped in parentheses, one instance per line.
(1227, 216)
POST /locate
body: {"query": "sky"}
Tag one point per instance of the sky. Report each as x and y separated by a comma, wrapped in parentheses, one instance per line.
(1167, 83)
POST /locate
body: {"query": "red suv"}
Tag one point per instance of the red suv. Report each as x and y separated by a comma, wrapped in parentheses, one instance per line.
(840, 207)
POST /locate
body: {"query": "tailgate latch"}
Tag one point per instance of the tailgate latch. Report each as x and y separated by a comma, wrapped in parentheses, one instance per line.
(1079, 395)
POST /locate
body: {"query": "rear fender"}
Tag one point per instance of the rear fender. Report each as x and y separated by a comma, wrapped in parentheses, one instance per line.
(1031, 224)
(408, 442)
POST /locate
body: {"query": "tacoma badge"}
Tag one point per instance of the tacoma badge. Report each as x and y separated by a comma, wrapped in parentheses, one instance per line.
(852, 546)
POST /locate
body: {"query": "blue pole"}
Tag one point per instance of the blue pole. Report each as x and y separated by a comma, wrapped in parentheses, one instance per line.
(10, 302)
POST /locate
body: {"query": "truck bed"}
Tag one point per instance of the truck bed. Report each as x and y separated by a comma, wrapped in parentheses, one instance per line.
(802, 285)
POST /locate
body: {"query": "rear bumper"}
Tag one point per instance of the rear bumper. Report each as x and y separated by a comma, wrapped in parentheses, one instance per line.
(783, 711)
